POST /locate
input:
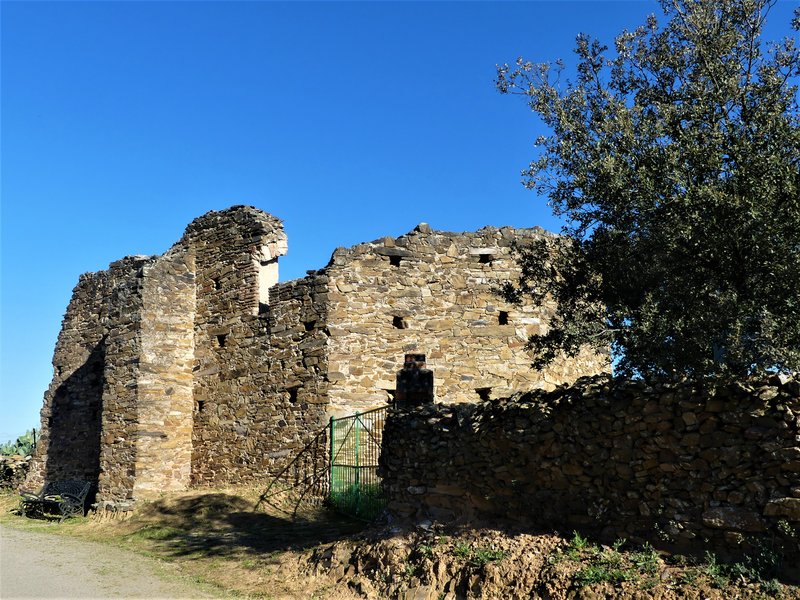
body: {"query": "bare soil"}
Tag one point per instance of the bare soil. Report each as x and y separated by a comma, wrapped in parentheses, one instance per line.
(488, 563)
(222, 539)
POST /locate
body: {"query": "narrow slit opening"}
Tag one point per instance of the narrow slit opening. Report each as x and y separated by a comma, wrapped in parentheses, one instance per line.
(221, 340)
(502, 318)
(293, 394)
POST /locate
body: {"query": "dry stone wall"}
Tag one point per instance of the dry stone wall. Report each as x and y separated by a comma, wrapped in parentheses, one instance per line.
(258, 391)
(13, 470)
(435, 293)
(680, 464)
(119, 409)
(165, 399)
(198, 367)
(229, 354)
(91, 403)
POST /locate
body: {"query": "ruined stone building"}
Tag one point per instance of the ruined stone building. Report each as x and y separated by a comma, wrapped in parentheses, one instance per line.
(198, 366)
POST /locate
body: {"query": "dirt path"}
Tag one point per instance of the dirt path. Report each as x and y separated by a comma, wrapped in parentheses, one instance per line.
(41, 565)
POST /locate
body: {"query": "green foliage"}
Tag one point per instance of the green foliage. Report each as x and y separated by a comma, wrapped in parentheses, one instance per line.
(599, 573)
(645, 560)
(674, 161)
(462, 549)
(409, 569)
(771, 587)
(715, 571)
(425, 550)
(689, 577)
(23, 445)
(364, 501)
(578, 542)
(612, 565)
(478, 557)
(786, 530)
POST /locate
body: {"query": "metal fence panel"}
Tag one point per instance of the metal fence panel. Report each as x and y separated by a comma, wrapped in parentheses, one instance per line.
(355, 446)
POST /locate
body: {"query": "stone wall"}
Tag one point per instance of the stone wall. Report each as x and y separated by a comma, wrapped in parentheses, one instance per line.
(229, 357)
(13, 471)
(259, 390)
(165, 399)
(681, 464)
(121, 323)
(198, 367)
(435, 293)
(90, 403)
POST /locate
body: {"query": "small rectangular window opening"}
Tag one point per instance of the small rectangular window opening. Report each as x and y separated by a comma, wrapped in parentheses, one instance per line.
(221, 340)
(485, 259)
(399, 323)
(293, 394)
(395, 261)
(201, 404)
(502, 318)
(309, 325)
(217, 284)
(390, 396)
(483, 393)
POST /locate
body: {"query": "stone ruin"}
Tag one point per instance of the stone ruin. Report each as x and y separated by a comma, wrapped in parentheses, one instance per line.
(198, 366)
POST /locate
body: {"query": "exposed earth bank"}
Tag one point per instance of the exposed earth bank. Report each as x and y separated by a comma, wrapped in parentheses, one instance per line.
(486, 563)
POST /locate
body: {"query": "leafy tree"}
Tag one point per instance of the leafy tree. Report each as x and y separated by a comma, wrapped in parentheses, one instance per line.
(675, 161)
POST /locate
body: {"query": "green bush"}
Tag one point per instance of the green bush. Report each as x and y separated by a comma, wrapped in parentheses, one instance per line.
(23, 445)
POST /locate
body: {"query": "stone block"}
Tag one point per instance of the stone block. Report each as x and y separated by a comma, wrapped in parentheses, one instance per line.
(731, 517)
(788, 508)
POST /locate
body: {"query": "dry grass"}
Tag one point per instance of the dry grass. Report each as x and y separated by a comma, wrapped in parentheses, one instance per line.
(220, 537)
(217, 536)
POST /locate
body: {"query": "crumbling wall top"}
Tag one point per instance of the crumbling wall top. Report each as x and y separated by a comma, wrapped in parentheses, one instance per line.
(248, 217)
(423, 237)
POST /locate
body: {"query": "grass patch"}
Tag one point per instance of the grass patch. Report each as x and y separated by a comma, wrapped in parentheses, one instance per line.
(478, 556)
(600, 573)
(212, 536)
(603, 564)
(155, 532)
(646, 560)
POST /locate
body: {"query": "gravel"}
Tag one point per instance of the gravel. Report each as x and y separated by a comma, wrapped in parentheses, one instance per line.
(41, 565)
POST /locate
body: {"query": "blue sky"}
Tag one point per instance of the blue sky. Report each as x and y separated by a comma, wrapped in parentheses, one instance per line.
(123, 121)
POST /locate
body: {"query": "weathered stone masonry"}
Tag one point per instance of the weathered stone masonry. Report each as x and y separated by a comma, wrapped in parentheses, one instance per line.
(685, 464)
(197, 366)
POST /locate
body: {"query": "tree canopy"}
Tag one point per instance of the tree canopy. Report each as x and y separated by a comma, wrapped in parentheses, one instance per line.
(675, 161)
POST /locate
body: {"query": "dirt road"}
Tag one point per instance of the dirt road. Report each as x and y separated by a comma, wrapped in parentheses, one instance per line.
(40, 565)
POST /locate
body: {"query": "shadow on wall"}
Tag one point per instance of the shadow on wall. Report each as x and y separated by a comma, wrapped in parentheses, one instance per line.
(74, 426)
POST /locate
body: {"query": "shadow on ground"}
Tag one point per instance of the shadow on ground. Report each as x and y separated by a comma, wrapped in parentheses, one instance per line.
(219, 524)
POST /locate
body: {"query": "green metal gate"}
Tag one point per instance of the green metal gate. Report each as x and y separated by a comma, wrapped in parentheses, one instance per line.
(355, 445)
